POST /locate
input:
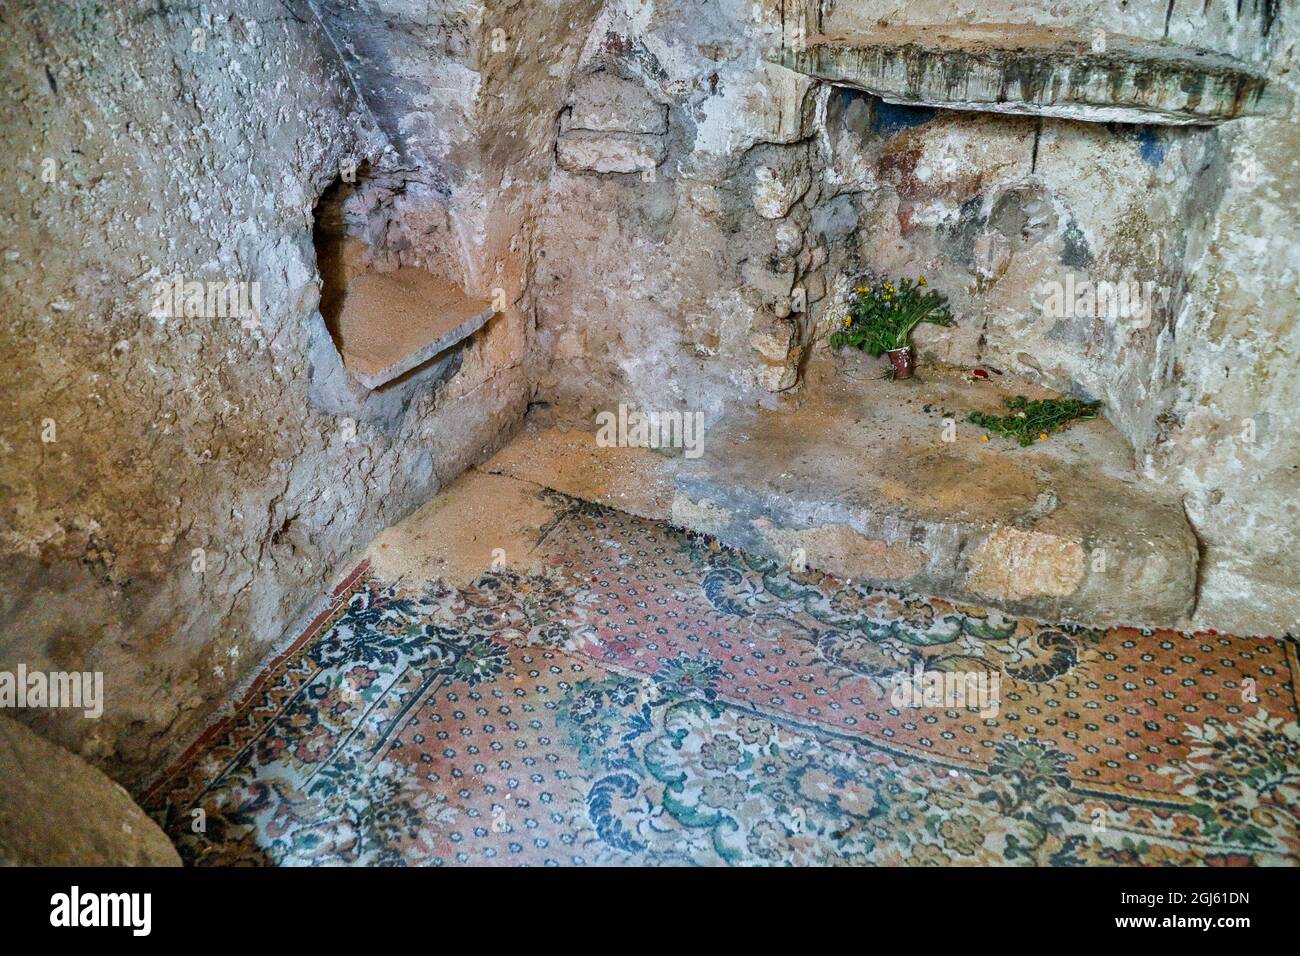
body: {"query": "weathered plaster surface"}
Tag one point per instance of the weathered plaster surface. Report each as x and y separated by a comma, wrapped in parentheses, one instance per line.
(638, 290)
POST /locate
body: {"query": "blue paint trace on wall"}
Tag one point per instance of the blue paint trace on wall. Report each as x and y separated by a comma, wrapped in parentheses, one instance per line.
(1153, 146)
(891, 118)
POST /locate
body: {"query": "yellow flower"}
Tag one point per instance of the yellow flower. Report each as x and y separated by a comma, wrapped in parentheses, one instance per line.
(922, 281)
(1042, 436)
(986, 438)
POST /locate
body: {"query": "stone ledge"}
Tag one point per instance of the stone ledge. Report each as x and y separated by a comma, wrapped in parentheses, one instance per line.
(1015, 68)
(585, 151)
(393, 322)
(860, 479)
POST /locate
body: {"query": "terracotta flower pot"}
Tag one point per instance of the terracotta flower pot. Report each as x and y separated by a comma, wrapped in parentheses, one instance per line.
(901, 359)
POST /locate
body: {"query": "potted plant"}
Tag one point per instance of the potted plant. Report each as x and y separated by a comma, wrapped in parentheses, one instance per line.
(882, 315)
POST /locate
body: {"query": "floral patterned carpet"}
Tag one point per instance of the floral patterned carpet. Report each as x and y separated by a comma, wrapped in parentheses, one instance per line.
(651, 699)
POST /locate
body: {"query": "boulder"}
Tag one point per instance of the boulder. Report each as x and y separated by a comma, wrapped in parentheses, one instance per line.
(57, 810)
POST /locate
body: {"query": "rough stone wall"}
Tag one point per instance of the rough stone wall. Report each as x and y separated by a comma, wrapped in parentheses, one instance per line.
(651, 220)
(719, 235)
(172, 491)
(1231, 439)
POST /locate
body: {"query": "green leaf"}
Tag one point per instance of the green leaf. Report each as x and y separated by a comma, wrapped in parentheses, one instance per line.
(1028, 420)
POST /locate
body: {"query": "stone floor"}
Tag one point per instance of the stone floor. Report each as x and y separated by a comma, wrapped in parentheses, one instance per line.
(517, 676)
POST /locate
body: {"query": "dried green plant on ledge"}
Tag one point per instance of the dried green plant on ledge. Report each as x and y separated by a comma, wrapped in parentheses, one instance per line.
(1036, 420)
(882, 316)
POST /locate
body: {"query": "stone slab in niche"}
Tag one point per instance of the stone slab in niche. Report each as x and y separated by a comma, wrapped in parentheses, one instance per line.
(584, 151)
(393, 322)
(1016, 68)
(608, 104)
